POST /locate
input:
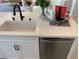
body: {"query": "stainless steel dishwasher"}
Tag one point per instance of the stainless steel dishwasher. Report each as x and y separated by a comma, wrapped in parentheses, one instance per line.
(54, 48)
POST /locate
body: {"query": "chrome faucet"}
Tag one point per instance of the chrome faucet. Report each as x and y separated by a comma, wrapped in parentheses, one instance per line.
(14, 11)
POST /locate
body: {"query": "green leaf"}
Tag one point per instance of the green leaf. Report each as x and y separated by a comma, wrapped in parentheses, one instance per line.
(43, 3)
(11, 1)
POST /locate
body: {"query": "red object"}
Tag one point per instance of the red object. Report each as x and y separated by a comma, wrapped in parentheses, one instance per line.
(56, 11)
(60, 12)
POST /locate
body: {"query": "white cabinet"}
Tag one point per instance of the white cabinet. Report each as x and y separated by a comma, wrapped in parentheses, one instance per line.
(19, 47)
(7, 51)
(30, 50)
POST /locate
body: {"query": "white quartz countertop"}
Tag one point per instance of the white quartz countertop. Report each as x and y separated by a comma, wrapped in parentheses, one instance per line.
(43, 27)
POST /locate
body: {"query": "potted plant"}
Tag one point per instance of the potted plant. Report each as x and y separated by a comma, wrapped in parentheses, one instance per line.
(10, 1)
(43, 4)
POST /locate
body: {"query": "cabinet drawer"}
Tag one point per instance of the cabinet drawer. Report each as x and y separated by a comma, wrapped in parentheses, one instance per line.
(27, 47)
(17, 39)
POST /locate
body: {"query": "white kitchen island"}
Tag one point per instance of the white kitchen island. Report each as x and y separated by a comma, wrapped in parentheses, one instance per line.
(27, 42)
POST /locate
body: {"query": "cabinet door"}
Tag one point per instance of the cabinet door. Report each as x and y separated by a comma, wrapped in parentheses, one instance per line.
(29, 48)
(7, 51)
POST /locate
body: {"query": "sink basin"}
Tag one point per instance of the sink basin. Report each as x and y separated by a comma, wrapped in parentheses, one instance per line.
(18, 26)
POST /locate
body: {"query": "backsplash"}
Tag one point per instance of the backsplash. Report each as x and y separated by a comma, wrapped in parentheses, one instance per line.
(6, 7)
(57, 2)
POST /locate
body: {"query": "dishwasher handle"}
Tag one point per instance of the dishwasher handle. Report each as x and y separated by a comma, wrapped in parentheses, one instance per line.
(62, 41)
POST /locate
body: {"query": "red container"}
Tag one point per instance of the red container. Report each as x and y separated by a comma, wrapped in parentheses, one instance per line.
(60, 12)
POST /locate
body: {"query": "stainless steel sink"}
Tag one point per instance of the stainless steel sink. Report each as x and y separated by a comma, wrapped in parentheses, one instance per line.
(18, 26)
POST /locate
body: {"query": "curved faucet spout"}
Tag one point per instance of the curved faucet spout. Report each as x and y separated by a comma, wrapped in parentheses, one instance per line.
(14, 11)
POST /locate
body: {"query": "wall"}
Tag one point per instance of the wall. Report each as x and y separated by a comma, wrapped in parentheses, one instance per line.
(68, 4)
(75, 12)
(57, 2)
(1, 1)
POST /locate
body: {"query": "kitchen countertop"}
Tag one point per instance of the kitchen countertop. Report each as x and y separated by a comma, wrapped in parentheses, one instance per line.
(43, 28)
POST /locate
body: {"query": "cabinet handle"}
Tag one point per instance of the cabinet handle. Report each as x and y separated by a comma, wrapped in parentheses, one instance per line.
(16, 47)
(65, 41)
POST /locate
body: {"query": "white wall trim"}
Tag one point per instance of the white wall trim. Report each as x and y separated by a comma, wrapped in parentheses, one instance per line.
(72, 48)
(72, 7)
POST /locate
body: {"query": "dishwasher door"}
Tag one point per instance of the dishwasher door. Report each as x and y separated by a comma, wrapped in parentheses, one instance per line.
(54, 48)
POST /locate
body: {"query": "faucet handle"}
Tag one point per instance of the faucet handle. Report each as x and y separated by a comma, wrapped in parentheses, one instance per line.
(23, 17)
